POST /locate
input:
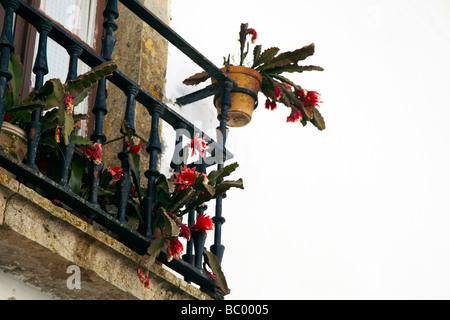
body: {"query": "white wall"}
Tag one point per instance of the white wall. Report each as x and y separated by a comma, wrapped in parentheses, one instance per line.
(361, 209)
(13, 288)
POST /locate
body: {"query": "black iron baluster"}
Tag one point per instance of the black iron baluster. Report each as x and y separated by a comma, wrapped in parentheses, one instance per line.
(110, 14)
(74, 53)
(225, 102)
(199, 236)
(100, 108)
(189, 256)
(131, 93)
(40, 69)
(6, 48)
(124, 185)
(153, 149)
(68, 150)
(177, 158)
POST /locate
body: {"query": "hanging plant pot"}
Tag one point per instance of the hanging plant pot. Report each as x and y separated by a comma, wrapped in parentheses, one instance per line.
(244, 98)
(13, 141)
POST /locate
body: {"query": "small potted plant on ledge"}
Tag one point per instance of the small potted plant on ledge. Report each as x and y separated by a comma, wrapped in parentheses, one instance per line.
(265, 74)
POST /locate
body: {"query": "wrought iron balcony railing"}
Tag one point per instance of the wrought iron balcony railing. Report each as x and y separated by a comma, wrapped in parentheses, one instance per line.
(190, 265)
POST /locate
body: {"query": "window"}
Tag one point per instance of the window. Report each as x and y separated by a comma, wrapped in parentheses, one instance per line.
(83, 18)
(78, 17)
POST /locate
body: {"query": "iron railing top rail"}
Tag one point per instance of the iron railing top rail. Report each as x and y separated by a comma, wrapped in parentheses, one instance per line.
(65, 39)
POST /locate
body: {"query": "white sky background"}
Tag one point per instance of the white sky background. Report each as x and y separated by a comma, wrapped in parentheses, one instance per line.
(360, 210)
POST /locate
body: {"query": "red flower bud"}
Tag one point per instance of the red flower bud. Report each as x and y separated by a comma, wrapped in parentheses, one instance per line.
(253, 33)
(277, 92)
(135, 149)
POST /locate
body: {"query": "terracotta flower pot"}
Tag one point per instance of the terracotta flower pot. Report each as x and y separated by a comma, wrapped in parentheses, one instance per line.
(13, 141)
(242, 104)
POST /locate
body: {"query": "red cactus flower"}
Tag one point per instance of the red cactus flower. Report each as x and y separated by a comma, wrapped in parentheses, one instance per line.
(94, 153)
(135, 149)
(310, 98)
(198, 145)
(268, 103)
(143, 278)
(175, 249)
(273, 105)
(186, 178)
(314, 98)
(253, 33)
(203, 223)
(294, 116)
(185, 232)
(302, 93)
(116, 172)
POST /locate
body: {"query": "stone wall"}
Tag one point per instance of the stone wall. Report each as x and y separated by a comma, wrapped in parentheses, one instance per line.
(140, 53)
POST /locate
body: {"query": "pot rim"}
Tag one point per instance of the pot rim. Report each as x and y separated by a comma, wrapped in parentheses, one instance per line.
(244, 70)
(11, 128)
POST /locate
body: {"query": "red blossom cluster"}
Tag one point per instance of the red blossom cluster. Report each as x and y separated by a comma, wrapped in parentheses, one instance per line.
(94, 153)
(271, 105)
(309, 98)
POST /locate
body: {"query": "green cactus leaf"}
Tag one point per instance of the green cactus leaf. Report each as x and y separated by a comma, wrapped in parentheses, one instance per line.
(216, 175)
(226, 185)
(181, 199)
(256, 54)
(292, 68)
(265, 57)
(197, 78)
(212, 261)
(80, 86)
(287, 58)
(317, 120)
